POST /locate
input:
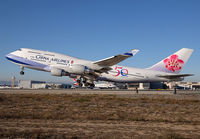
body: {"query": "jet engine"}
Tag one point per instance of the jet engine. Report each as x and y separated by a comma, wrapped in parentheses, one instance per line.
(70, 70)
(58, 72)
(77, 69)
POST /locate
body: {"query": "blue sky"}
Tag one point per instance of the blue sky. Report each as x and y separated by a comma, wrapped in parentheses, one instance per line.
(96, 29)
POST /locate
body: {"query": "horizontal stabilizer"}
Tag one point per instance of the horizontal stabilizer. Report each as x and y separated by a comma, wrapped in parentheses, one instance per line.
(116, 59)
(174, 76)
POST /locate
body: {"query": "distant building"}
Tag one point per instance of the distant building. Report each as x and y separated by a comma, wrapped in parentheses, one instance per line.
(121, 85)
(146, 86)
(39, 86)
(184, 85)
(29, 84)
(58, 86)
(158, 85)
(141, 86)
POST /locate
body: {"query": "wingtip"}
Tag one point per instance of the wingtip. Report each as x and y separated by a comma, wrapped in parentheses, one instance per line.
(135, 50)
(132, 52)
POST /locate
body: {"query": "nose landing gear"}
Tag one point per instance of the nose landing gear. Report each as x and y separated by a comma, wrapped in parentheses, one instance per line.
(22, 71)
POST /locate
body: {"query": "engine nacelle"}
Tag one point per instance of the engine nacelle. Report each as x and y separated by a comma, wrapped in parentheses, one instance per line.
(78, 69)
(69, 70)
(57, 72)
(75, 69)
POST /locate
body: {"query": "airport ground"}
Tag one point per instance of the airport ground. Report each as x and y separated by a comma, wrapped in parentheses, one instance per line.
(99, 114)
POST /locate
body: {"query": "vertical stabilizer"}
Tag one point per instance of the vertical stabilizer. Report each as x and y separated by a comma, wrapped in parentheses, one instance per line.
(174, 63)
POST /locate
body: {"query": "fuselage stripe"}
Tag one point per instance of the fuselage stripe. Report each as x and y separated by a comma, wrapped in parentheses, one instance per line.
(18, 62)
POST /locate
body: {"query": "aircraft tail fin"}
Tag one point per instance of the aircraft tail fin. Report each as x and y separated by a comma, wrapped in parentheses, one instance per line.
(175, 62)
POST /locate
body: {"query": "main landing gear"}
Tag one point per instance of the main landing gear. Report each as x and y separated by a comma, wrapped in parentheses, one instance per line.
(22, 71)
(85, 83)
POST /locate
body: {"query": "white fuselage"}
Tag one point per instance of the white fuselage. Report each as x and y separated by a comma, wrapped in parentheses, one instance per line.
(44, 61)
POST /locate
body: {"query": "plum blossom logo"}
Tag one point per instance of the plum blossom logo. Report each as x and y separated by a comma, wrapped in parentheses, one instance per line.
(173, 63)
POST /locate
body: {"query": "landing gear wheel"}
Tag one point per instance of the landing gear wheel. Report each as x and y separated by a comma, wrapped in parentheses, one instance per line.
(80, 84)
(92, 86)
(78, 81)
(21, 73)
(22, 70)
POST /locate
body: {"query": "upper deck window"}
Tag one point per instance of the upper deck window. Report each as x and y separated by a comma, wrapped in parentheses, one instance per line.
(49, 54)
(34, 52)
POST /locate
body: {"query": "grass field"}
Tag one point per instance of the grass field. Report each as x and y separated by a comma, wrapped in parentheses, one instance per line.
(99, 116)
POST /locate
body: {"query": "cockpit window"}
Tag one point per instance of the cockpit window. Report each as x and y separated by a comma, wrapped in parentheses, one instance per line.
(19, 49)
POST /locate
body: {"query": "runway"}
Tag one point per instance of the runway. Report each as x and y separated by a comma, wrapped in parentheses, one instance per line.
(119, 93)
(98, 91)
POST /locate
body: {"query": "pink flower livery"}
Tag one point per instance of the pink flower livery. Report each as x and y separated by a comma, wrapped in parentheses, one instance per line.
(173, 63)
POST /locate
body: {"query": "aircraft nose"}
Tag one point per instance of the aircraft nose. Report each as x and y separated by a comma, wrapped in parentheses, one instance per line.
(10, 56)
(7, 56)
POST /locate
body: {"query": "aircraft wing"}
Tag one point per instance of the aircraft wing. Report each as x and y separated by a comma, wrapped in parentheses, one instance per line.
(174, 76)
(113, 60)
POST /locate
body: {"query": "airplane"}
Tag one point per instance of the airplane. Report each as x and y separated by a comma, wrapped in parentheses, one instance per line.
(106, 85)
(87, 72)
